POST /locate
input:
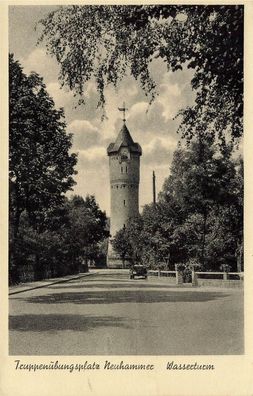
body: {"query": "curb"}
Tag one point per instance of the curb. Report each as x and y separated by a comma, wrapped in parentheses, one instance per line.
(52, 283)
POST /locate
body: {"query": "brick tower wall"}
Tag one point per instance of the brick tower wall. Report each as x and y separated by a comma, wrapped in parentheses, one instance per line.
(124, 183)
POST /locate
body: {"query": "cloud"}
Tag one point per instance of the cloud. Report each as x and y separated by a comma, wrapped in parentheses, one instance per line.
(147, 123)
(181, 77)
(131, 90)
(159, 151)
(175, 93)
(170, 90)
(93, 156)
(170, 100)
(138, 109)
(62, 97)
(85, 134)
(89, 180)
(40, 62)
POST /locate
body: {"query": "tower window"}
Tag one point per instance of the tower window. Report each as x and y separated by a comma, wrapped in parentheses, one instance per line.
(124, 202)
(126, 169)
(122, 169)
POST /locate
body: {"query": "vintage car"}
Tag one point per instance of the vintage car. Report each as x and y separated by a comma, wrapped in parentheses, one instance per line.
(138, 271)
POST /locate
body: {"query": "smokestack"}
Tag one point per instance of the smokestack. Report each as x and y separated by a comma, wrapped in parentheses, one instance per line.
(154, 192)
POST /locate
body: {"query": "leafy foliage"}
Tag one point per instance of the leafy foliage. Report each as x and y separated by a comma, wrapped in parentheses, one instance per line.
(104, 42)
(198, 218)
(40, 166)
(62, 246)
(49, 234)
(121, 244)
(88, 226)
(208, 189)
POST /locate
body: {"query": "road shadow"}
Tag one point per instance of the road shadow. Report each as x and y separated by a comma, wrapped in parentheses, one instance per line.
(107, 278)
(124, 296)
(54, 322)
(110, 285)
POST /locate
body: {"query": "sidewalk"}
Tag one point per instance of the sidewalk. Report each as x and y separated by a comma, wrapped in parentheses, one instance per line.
(23, 287)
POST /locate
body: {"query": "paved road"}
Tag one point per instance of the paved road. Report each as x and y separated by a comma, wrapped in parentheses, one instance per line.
(108, 314)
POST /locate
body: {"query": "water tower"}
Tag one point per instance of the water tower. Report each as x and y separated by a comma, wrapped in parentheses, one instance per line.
(124, 163)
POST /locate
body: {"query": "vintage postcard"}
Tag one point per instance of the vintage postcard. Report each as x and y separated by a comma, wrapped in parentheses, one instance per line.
(126, 213)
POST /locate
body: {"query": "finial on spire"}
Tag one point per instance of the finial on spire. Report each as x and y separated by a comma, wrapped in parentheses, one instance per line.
(124, 109)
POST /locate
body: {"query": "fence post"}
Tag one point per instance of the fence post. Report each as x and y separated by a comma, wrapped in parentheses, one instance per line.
(179, 276)
(225, 276)
(194, 278)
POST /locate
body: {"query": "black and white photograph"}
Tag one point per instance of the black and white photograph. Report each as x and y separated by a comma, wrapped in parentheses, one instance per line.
(126, 206)
(126, 180)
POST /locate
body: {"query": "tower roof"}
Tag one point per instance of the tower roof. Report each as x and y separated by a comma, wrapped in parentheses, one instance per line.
(124, 139)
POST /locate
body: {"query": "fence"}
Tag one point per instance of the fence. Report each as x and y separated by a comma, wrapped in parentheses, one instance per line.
(170, 275)
(198, 278)
(224, 279)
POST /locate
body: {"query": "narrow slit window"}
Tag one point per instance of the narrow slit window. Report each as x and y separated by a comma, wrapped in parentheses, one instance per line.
(122, 169)
(126, 169)
(124, 202)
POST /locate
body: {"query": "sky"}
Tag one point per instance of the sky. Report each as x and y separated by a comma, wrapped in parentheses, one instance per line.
(153, 127)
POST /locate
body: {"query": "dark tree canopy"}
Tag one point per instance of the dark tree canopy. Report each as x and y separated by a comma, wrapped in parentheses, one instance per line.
(207, 187)
(198, 217)
(69, 235)
(121, 244)
(40, 165)
(104, 42)
(40, 170)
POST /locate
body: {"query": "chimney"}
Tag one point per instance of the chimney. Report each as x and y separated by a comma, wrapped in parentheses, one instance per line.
(154, 192)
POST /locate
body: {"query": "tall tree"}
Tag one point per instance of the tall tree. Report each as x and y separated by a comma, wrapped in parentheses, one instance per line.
(40, 166)
(68, 236)
(156, 235)
(122, 245)
(128, 241)
(104, 42)
(207, 187)
(88, 226)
